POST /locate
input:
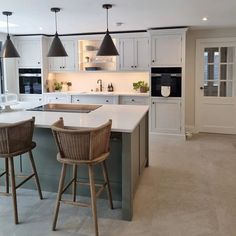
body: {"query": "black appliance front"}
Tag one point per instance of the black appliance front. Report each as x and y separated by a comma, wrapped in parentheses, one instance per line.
(166, 76)
(30, 81)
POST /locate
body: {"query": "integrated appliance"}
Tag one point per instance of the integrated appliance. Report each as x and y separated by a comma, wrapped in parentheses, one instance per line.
(166, 82)
(57, 107)
(30, 81)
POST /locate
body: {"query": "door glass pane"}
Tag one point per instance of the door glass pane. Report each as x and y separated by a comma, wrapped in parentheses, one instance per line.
(211, 89)
(226, 72)
(227, 54)
(211, 55)
(226, 89)
(211, 72)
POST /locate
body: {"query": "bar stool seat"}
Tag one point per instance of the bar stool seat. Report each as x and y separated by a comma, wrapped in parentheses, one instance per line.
(82, 147)
(15, 140)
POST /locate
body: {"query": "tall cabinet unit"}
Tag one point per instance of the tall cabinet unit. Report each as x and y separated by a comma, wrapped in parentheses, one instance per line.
(32, 51)
(167, 51)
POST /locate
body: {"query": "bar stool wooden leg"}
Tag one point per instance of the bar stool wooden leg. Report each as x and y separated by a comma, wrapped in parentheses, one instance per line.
(13, 187)
(74, 182)
(35, 174)
(105, 175)
(59, 194)
(7, 175)
(93, 198)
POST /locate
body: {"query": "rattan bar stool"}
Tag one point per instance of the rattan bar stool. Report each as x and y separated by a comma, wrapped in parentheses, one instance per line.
(16, 139)
(82, 147)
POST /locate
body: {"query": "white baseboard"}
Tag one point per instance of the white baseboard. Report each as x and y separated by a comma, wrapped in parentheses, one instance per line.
(191, 129)
(167, 135)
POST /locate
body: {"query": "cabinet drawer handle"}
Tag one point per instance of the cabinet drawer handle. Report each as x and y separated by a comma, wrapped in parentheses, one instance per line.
(132, 66)
(132, 100)
(135, 66)
(107, 100)
(56, 98)
(77, 100)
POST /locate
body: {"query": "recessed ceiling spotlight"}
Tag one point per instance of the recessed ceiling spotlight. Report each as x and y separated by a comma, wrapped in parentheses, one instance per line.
(119, 23)
(40, 28)
(205, 18)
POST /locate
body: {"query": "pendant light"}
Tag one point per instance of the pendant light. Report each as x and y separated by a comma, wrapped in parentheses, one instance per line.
(8, 49)
(56, 48)
(107, 47)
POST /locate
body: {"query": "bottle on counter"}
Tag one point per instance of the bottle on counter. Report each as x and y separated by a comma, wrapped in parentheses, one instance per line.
(112, 89)
(108, 88)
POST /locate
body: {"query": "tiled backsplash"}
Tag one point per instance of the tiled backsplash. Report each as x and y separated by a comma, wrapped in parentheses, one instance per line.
(121, 81)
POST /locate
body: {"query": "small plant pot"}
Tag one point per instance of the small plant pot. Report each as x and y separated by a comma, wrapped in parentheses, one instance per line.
(143, 90)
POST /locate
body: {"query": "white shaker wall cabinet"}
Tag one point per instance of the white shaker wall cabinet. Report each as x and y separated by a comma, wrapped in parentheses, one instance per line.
(65, 63)
(166, 47)
(134, 53)
(30, 51)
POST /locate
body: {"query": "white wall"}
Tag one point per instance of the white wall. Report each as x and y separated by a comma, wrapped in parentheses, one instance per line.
(192, 35)
(85, 81)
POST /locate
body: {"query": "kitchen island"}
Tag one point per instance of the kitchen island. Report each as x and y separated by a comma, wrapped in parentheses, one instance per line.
(128, 144)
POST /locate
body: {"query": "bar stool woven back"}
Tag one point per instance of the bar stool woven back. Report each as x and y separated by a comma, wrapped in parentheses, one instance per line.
(82, 146)
(16, 139)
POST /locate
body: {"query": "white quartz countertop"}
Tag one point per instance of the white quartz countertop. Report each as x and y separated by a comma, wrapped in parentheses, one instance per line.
(125, 118)
(102, 93)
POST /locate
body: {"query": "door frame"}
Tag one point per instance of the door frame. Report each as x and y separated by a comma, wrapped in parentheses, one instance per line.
(198, 64)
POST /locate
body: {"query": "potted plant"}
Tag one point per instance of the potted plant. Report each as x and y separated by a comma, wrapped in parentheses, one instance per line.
(141, 85)
(57, 86)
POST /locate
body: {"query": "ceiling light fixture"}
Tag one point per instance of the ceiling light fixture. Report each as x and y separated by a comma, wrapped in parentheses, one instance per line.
(205, 18)
(56, 48)
(107, 47)
(8, 49)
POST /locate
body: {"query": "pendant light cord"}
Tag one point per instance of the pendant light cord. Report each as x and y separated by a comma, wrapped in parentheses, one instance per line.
(7, 26)
(107, 19)
(56, 20)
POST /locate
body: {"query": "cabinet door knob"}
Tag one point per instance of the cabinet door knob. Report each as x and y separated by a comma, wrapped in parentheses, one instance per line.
(77, 100)
(153, 103)
(107, 100)
(56, 98)
(132, 100)
(135, 66)
(201, 88)
(38, 62)
(153, 60)
(132, 66)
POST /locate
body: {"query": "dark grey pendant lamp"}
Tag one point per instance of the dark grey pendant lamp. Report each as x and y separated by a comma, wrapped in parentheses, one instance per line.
(107, 47)
(8, 49)
(56, 48)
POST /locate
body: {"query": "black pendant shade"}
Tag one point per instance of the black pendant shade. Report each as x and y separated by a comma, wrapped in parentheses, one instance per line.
(107, 47)
(8, 49)
(56, 49)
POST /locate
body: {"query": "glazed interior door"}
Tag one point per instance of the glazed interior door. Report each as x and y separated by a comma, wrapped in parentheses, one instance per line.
(215, 87)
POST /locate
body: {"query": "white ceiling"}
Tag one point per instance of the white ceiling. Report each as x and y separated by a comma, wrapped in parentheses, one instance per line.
(81, 16)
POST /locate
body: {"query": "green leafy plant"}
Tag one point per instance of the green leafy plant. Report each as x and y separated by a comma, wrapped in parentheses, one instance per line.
(58, 86)
(141, 85)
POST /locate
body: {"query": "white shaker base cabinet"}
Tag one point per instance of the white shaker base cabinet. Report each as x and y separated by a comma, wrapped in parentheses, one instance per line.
(166, 115)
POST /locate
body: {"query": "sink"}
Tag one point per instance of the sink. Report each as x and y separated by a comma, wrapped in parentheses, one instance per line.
(79, 108)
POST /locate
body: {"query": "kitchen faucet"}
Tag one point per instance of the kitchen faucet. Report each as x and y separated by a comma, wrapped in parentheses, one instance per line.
(99, 81)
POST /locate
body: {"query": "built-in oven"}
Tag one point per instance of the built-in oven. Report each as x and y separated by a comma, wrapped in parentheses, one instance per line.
(30, 81)
(166, 82)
